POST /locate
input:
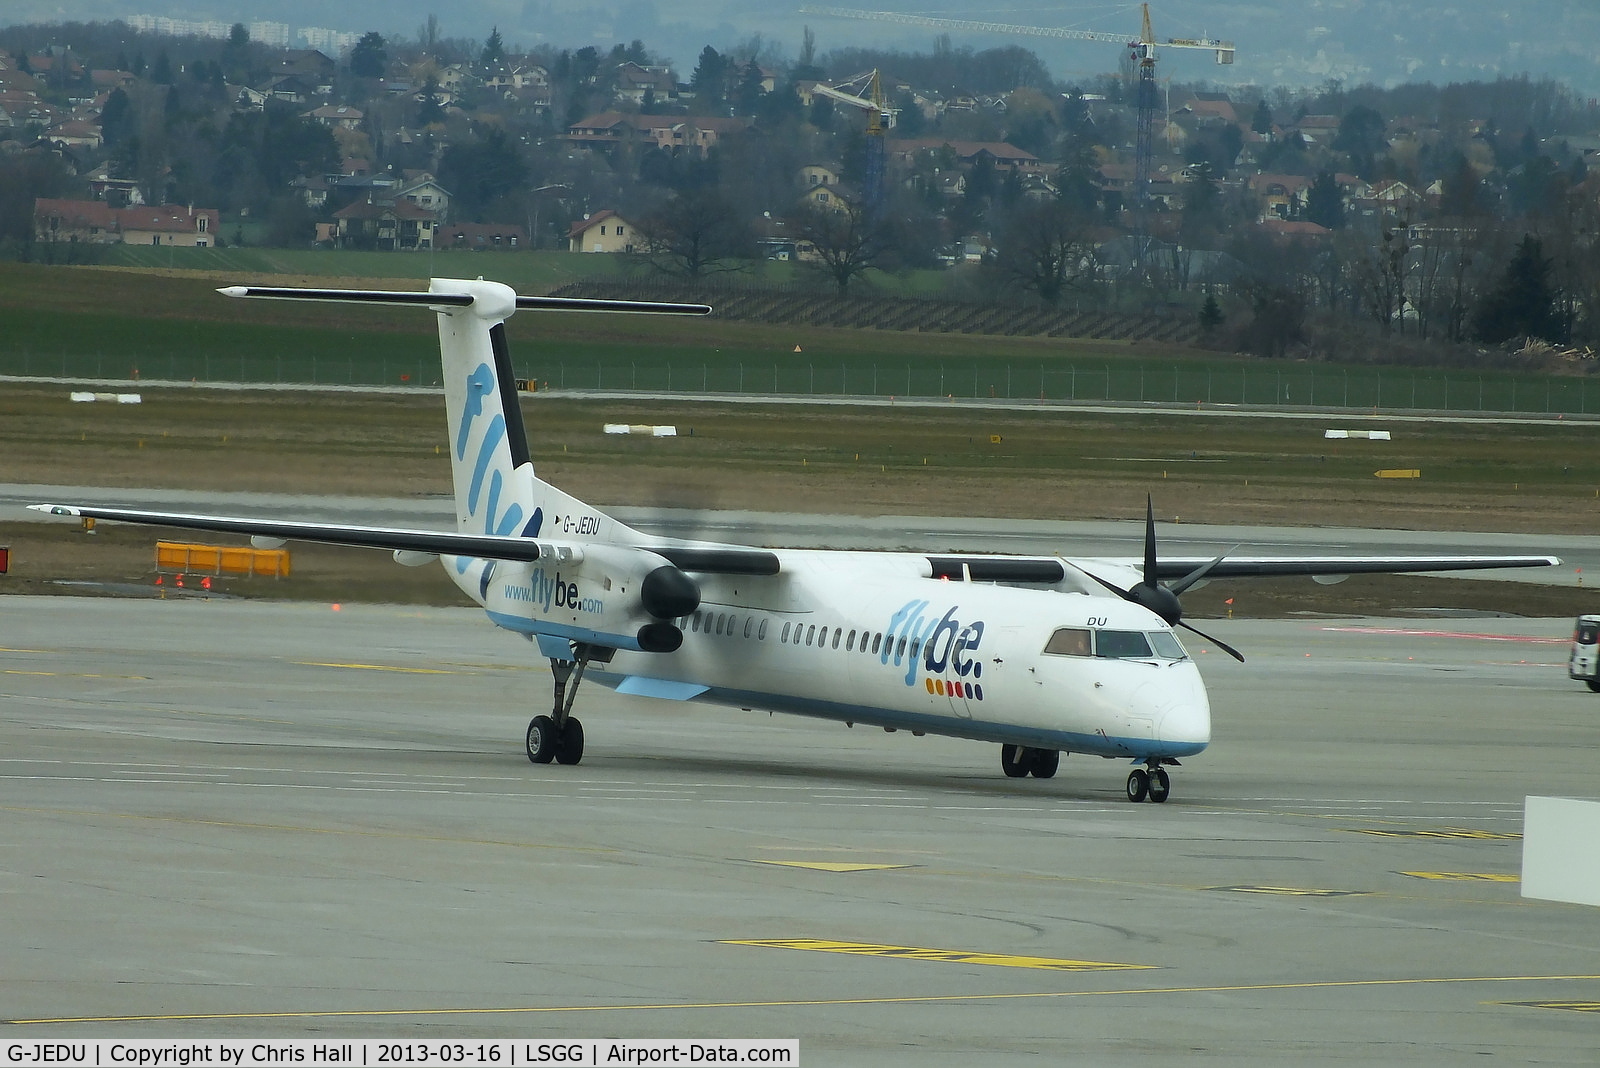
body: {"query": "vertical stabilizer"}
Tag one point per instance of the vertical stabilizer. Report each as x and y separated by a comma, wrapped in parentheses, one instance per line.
(496, 490)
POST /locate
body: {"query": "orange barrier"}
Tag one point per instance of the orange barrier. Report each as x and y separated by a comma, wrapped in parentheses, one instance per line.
(181, 558)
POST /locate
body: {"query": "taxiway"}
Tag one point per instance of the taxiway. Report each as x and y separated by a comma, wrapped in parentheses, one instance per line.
(226, 818)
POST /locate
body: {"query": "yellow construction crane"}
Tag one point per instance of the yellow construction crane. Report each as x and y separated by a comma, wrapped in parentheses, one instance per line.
(865, 91)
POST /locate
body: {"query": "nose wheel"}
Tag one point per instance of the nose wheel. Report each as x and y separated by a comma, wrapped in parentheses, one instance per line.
(1152, 785)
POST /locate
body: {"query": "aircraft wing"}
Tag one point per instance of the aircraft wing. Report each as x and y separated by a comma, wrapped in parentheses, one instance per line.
(733, 560)
(1264, 566)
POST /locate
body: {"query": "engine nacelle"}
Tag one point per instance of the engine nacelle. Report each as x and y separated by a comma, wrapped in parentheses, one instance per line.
(609, 595)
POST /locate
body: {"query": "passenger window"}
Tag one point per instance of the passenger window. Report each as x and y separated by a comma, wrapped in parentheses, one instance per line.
(1068, 641)
(811, 632)
(900, 652)
(916, 647)
(836, 633)
(694, 623)
(822, 639)
(877, 642)
(720, 619)
(747, 624)
(785, 636)
(761, 632)
(850, 643)
(1121, 644)
(733, 624)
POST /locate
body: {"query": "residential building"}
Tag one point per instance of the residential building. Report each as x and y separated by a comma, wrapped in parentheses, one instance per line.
(480, 237)
(603, 231)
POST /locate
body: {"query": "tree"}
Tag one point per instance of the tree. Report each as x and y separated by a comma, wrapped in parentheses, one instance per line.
(369, 58)
(1261, 122)
(1361, 134)
(1523, 303)
(846, 241)
(1325, 202)
(695, 234)
(117, 120)
(493, 49)
(708, 78)
(1047, 250)
(428, 109)
(1210, 315)
(480, 172)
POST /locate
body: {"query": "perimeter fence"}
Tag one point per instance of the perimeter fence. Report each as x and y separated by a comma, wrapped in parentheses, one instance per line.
(1130, 381)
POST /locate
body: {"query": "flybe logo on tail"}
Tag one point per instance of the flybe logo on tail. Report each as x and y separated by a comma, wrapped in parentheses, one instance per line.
(939, 644)
(487, 487)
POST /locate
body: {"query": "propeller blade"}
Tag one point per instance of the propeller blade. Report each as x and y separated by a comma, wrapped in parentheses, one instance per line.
(1126, 595)
(1151, 576)
(1200, 572)
(1220, 644)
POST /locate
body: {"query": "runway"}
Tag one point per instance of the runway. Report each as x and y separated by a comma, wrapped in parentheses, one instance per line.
(241, 819)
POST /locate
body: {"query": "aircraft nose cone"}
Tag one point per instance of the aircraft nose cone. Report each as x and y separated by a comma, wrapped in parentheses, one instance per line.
(1184, 722)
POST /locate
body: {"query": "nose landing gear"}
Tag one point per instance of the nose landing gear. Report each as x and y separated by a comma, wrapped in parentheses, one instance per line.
(1150, 785)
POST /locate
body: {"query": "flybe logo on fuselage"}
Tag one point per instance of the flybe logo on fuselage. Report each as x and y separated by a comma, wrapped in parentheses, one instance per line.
(546, 591)
(939, 644)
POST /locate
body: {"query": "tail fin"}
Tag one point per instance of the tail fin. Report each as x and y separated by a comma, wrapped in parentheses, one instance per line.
(496, 490)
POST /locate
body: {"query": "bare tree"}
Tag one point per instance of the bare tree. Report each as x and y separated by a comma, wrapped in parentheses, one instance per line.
(696, 233)
(1046, 249)
(845, 240)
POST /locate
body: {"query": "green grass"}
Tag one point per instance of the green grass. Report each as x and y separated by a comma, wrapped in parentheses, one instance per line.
(80, 322)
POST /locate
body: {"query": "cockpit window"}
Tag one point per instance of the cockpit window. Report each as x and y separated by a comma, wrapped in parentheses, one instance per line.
(1587, 633)
(1121, 644)
(1068, 641)
(1167, 646)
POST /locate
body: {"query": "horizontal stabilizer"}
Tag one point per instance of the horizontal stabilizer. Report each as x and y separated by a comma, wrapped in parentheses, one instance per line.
(442, 298)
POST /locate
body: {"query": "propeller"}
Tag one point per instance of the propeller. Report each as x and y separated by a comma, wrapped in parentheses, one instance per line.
(1163, 600)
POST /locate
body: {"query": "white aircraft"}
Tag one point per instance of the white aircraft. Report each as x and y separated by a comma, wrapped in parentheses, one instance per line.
(1043, 655)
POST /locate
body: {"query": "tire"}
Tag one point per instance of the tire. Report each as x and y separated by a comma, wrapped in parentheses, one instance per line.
(1044, 763)
(541, 739)
(1138, 785)
(569, 748)
(1160, 785)
(1014, 761)
(1593, 684)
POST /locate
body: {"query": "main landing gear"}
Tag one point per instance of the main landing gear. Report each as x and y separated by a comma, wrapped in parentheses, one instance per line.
(1018, 762)
(559, 736)
(1153, 784)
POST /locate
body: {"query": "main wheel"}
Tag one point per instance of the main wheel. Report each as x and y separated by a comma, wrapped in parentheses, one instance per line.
(542, 739)
(1594, 684)
(1138, 784)
(1014, 761)
(1044, 763)
(1160, 785)
(569, 748)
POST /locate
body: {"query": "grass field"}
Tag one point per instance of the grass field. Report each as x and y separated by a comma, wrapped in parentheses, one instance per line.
(101, 323)
(940, 461)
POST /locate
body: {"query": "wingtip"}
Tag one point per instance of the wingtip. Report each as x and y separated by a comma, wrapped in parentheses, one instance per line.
(53, 509)
(234, 291)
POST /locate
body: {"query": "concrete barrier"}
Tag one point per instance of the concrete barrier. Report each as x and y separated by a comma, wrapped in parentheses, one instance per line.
(1561, 850)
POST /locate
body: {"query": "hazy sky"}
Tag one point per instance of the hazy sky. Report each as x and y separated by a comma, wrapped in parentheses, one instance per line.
(1386, 41)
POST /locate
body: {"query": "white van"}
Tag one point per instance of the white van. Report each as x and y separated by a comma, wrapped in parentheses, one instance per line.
(1585, 662)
